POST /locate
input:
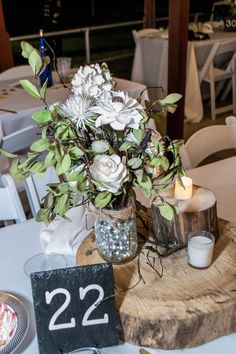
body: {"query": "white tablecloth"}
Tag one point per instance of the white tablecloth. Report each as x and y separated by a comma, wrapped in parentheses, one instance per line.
(13, 97)
(19, 242)
(150, 67)
(219, 177)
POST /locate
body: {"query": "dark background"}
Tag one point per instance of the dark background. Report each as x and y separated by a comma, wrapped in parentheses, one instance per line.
(26, 16)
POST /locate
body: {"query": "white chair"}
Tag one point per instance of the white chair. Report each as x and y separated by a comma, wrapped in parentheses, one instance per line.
(10, 206)
(35, 187)
(219, 10)
(15, 142)
(21, 139)
(16, 72)
(220, 65)
(144, 32)
(206, 142)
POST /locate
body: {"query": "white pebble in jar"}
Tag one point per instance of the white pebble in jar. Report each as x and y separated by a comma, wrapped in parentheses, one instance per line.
(200, 249)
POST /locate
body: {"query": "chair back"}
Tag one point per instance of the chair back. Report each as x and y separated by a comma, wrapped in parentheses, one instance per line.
(20, 139)
(16, 72)
(206, 142)
(35, 187)
(10, 206)
(222, 55)
(219, 11)
(144, 32)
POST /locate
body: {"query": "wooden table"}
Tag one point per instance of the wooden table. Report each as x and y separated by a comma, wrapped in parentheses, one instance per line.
(183, 308)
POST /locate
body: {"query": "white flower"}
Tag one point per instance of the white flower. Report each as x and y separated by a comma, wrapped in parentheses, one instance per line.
(109, 171)
(100, 146)
(77, 109)
(91, 81)
(119, 110)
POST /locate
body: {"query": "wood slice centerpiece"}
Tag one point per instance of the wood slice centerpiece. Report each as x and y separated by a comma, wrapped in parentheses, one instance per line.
(197, 213)
(183, 308)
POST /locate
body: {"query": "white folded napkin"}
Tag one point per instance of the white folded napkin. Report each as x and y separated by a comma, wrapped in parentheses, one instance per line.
(64, 237)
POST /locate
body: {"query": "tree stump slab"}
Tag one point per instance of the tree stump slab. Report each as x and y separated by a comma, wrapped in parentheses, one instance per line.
(183, 308)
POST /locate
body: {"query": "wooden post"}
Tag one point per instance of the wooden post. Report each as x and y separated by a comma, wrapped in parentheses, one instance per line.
(178, 36)
(149, 14)
(6, 58)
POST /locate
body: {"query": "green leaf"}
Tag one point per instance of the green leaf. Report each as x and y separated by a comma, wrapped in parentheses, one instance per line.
(79, 177)
(58, 153)
(6, 153)
(40, 145)
(42, 215)
(37, 167)
(48, 200)
(75, 152)
(102, 199)
(43, 116)
(35, 62)
(156, 161)
(30, 88)
(64, 165)
(138, 134)
(50, 159)
(126, 146)
(43, 89)
(28, 161)
(171, 98)
(146, 185)
(166, 178)
(135, 163)
(164, 163)
(171, 108)
(27, 49)
(166, 211)
(62, 204)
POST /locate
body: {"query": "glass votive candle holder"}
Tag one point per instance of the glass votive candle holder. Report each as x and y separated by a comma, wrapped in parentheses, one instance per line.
(200, 249)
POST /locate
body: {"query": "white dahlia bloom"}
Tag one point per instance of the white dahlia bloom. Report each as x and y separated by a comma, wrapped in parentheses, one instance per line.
(119, 110)
(109, 171)
(92, 81)
(100, 146)
(77, 109)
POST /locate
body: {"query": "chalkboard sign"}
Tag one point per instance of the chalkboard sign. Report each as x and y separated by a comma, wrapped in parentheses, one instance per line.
(74, 308)
(230, 24)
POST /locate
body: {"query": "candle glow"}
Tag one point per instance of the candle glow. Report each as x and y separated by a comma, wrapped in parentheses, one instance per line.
(184, 192)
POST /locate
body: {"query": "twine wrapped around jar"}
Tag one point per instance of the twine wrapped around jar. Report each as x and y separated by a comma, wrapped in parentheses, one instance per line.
(115, 215)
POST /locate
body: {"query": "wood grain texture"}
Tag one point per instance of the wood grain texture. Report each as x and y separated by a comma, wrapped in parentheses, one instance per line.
(175, 231)
(6, 57)
(184, 308)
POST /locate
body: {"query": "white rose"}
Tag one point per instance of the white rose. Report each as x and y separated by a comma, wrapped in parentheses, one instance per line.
(109, 171)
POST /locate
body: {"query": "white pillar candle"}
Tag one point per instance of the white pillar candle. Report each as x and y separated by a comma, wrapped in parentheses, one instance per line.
(184, 192)
(200, 248)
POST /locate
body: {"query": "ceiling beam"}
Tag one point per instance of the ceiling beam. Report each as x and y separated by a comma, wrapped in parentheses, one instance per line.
(6, 57)
(149, 14)
(177, 58)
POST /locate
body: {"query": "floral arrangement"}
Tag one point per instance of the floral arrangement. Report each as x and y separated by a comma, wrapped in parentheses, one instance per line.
(99, 143)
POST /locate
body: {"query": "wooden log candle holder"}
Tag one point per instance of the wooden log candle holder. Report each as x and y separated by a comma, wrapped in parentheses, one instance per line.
(197, 213)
